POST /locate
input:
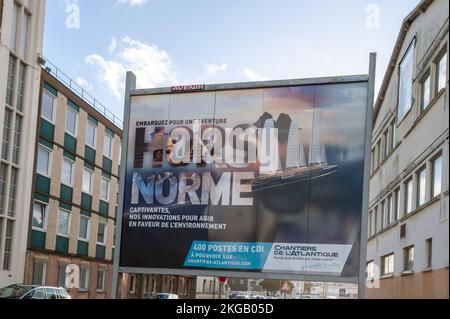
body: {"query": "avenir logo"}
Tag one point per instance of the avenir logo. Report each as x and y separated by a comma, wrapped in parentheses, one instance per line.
(188, 88)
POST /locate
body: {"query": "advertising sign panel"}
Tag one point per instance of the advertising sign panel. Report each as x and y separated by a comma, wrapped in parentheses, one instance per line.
(263, 178)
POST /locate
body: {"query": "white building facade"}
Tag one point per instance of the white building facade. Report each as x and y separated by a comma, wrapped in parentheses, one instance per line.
(408, 227)
(21, 36)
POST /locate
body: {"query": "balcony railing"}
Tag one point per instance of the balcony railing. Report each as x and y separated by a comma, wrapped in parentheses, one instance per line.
(82, 93)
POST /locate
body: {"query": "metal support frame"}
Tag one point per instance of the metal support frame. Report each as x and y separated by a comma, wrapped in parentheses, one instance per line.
(367, 159)
(130, 90)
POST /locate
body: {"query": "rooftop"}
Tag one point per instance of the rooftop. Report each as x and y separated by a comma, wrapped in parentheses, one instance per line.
(80, 92)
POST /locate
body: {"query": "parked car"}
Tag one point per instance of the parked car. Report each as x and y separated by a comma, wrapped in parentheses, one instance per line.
(165, 296)
(259, 297)
(33, 292)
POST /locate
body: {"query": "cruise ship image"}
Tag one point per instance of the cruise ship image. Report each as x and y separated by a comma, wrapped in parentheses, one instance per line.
(295, 169)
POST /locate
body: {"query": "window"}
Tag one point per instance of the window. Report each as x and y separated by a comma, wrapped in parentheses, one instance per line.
(21, 87)
(8, 245)
(39, 216)
(101, 280)
(426, 91)
(67, 172)
(441, 72)
(406, 82)
(372, 160)
(12, 191)
(389, 219)
(62, 276)
(386, 143)
(84, 278)
(87, 181)
(39, 273)
(382, 215)
(392, 136)
(104, 192)
(375, 221)
(429, 253)
(51, 293)
(63, 223)
(408, 196)
(38, 294)
(369, 224)
(44, 159)
(11, 80)
(379, 153)
(3, 180)
(408, 254)
(83, 229)
(397, 204)
(421, 186)
(48, 103)
(101, 231)
(387, 265)
(14, 26)
(6, 134)
(91, 133)
(17, 139)
(107, 145)
(370, 270)
(437, 176)
(71, 121)
(24, 36)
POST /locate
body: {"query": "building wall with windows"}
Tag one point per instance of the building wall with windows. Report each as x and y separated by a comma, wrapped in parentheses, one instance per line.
(408, 228)
(73, 211)
(141, 286)
(21, 35)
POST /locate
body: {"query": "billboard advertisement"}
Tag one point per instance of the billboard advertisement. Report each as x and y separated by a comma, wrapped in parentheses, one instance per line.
(260, 179)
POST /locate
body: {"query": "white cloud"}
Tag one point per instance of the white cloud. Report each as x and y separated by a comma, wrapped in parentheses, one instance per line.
(212, 69)
(153, 67)
(250, 75)
(84, 83)
(131, 2)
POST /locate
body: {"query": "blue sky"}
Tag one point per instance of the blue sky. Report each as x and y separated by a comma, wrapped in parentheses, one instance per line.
(169, 42)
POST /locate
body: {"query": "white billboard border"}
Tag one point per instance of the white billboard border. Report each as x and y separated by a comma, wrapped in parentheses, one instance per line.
(130, 91)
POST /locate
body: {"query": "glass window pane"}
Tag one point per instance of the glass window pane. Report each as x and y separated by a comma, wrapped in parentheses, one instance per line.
(7, 122)
(17, 140)
(43, 161)
(426, 92)
(101, 233)
(63, 223)
(87, 181)
(409, 196)
(24, 35)
(437, 176)
(406, 81)
(107, 145)
(39, 215)
(38, 273)
(442, 72)
(83, 229)
(66, 174)
(14, 25)
(422, 179)
(71, 121)
(10, 80)
(90, 134)
(47, 106)
(104, 189)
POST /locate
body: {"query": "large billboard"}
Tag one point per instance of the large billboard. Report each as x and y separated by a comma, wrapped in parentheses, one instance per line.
(266, 178)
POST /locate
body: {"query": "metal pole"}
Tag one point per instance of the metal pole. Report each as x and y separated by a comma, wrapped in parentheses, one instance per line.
(129, 86)
(365, 203)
